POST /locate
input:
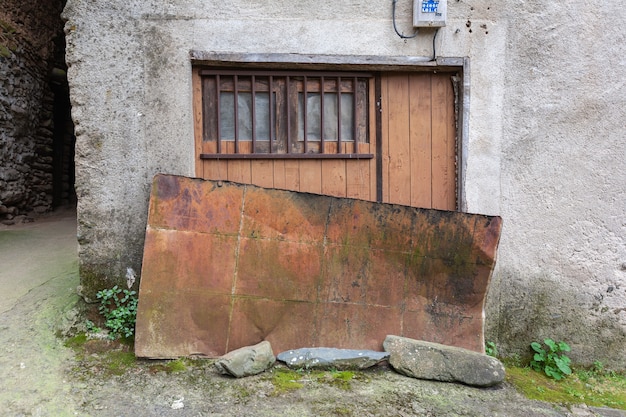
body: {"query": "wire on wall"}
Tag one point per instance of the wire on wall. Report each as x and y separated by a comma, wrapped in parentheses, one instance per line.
(403, 36)
(434, 45)
(393, 17)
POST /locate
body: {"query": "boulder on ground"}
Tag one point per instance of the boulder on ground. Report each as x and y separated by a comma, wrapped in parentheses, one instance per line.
(331, 358)
(246, 361)
(426, 360)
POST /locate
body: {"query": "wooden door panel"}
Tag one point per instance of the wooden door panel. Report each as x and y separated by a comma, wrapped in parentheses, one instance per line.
(399, 158)
(263, 173)
(420, 143)
(419, 140)
(443, 144)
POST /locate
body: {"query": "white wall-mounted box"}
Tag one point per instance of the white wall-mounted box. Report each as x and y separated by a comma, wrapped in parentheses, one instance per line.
(429, 13)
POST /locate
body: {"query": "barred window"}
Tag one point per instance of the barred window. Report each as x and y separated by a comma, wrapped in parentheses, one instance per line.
(280, 114)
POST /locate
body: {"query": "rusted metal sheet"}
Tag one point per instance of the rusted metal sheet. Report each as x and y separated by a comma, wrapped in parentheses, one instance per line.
(228, 265)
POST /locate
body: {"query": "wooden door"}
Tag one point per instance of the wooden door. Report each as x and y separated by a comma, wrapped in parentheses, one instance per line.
(418, 140)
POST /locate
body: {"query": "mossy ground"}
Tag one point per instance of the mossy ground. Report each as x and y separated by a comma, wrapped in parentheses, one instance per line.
(592, 387)
(112, 357)
(285, 380)
(287, 392)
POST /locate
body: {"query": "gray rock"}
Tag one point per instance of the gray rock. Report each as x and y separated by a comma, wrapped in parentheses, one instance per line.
(331, 358)
(246, 361)
(426, 360)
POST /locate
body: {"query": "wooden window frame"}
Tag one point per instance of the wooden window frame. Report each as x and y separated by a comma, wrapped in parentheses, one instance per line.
(369, 63)
(285, 90)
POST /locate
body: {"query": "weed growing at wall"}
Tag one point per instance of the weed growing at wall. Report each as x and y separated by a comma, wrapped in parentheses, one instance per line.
(119, 309)
(491, 349)
(551, 361)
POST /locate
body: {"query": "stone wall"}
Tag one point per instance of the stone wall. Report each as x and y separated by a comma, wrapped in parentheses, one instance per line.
(31, 47)
(545, 147)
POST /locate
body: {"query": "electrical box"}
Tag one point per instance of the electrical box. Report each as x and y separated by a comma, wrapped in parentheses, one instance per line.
(429, 13)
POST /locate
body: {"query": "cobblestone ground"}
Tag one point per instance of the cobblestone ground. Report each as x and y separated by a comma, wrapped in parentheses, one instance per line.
(39, 376)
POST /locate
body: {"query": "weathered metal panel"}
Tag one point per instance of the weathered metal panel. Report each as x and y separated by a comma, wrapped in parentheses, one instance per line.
(228, 265)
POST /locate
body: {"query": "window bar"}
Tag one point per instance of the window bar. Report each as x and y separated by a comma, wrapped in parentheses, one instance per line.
(354, 114)
(322, 114)
(339, 115)
(236, 121)
(219, 122)
(271, 112)
(253, 91)
(305, 114)
(287, 82)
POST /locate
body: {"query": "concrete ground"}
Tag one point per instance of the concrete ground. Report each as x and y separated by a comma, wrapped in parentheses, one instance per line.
(39, 376)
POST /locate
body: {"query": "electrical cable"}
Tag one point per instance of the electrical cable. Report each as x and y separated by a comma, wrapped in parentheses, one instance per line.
(434, 46)
(393, 17)
(403, 36)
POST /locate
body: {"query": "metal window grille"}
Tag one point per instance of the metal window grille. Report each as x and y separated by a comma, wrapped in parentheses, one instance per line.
(284, 114)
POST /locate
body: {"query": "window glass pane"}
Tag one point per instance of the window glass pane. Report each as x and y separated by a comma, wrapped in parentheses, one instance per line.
(227, 116)
(262, 108)
(312, 118)
(244, 116)
(347, 117)
(244, 109)
(330, 116)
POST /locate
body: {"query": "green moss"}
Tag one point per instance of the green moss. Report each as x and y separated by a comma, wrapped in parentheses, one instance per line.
(94, 279)
(339, 379)
(242, 392)
(285, 380)
(342, 411)
(591, 388)
(7, 35)
(5, 52)
(179, 365)
(77, 342)
(117, 362)
(7, 27)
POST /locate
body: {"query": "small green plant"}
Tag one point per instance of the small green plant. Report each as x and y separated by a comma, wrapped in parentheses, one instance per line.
(551, 361)
(491, 349)
(119, 309)
(91, 327)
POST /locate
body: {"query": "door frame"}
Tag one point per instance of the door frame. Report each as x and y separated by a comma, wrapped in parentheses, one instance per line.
(460, 65)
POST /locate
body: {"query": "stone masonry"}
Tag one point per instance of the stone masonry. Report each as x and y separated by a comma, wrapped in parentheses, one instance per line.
(32, 77)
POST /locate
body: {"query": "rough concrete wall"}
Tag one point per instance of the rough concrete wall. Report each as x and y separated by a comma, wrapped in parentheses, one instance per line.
(27, 34)
(545, 147)
(562, 260)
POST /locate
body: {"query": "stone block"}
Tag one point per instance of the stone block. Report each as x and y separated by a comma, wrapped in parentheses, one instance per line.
(331, 358)
(433, 361)
(246, 361)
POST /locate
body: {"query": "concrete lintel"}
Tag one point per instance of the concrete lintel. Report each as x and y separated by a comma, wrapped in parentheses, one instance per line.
(313, 61)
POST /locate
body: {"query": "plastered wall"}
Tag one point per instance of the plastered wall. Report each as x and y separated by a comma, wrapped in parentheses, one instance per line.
(545, 145)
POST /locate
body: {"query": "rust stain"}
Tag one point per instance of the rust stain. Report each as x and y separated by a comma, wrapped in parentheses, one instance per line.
(228, 265)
